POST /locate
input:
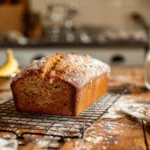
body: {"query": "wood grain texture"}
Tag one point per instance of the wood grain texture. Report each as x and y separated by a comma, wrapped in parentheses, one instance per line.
(122, 134)
(118, 134)
(147, 136)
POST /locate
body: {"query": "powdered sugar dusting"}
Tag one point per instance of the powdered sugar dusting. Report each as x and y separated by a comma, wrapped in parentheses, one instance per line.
(80, 69)
(35, 65)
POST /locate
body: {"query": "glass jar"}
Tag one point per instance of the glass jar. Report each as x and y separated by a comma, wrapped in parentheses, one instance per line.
(147, 67)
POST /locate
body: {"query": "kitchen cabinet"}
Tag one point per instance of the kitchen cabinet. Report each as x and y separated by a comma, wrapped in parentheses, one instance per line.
(113, 55)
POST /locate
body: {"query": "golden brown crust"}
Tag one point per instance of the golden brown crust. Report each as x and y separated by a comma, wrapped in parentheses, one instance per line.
(90, 93)
(77, 70)
(60, 84)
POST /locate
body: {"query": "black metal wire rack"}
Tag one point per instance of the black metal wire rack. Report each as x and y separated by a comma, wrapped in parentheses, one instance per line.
(23, 125)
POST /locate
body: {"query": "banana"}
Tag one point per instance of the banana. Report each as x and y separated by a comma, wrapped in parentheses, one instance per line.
(10, 66)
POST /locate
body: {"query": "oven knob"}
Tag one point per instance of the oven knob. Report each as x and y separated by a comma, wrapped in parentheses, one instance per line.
(117, 59)
(37, 57)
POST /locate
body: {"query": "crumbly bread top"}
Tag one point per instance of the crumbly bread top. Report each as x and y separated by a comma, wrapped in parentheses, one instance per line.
(77, 70)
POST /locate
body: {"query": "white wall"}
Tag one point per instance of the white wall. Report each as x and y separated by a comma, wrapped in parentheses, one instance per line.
(102, 12)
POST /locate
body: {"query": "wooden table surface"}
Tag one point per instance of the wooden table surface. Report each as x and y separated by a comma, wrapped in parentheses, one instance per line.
(113, 131)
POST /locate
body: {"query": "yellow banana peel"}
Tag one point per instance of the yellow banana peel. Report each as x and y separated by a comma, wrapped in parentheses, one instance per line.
(10, 66)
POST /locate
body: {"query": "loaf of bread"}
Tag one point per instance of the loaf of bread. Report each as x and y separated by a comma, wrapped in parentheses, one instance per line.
(62, 84)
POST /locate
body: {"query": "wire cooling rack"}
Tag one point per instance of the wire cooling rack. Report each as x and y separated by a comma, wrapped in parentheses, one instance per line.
(23, 125)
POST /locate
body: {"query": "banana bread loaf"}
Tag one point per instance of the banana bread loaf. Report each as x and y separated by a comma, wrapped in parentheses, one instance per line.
(62, 84)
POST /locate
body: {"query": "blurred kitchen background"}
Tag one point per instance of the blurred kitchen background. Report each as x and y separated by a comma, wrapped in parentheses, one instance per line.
(115, 31)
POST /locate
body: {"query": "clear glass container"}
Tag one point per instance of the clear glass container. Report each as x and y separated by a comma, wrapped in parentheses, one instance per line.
(147, 66)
